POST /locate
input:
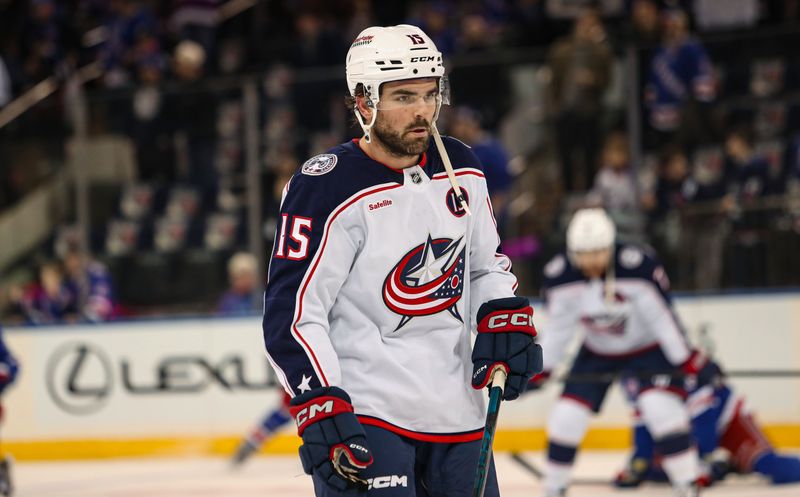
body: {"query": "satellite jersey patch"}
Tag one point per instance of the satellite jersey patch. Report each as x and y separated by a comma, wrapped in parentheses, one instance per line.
(319, 165)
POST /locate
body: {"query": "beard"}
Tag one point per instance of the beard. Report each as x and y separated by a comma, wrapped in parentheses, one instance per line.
(397, 144)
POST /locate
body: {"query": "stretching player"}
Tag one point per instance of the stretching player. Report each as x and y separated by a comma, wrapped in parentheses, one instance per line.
(384, 262)
(618, 295)
(8, 373)
(720, 419)
(259, 435)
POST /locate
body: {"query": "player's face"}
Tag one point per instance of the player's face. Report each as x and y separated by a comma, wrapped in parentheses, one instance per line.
(593, 264)
(406, 109)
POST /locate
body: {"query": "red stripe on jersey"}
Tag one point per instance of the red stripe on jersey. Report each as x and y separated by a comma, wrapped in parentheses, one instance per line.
(469, 436)
(315, 263)
(460, 172)
(624, 355)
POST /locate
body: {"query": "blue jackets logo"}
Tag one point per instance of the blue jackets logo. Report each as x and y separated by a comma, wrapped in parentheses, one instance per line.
(428, 279)
(319, 165)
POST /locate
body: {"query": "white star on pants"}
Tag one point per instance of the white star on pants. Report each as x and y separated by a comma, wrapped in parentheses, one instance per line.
(304, 385)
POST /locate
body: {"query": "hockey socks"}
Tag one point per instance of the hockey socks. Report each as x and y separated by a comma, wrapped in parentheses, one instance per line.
(275, 420)
(565, 430)
(666, 418)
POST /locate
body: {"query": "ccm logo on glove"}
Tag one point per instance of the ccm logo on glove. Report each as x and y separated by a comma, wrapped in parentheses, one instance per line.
(508, 321)
(321, 408)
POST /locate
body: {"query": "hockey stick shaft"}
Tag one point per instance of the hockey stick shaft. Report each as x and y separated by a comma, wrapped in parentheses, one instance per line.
(492, 412)
(539, 474)
(607, 377)
(448, 167)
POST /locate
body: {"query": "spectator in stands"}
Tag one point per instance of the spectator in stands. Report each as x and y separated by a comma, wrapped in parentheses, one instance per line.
(46, 40)
(688, 222)
(195, 115)
(47, 300)
(645, 23)
(126, 23)
(434, 18)
(580, 67)
(197, 21)
(89, 285)
(747, 170)
(243, 280)
(149, 125)
(748, 179)
(466, 126)
(679, 82)
(615, 189)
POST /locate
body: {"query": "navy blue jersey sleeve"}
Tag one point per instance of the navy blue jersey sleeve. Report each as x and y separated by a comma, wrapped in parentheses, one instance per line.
(310, 260)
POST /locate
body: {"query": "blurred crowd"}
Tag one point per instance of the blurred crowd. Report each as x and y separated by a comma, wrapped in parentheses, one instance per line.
(708, 176)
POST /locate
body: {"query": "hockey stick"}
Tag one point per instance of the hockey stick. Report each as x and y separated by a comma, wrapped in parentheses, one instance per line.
(448, 167)
(743, 373)
(498, 376)
(539, 474)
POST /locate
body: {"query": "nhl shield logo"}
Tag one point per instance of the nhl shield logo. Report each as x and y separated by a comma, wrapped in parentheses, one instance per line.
(428, 279)
(319, 165)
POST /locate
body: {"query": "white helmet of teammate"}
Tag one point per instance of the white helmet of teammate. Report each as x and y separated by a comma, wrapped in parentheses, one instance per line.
(590, 230)
(382, 54)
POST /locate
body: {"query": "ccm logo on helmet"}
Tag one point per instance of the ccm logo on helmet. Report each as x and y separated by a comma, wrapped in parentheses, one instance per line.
(429, 58)
(308, 413)
(515, 319)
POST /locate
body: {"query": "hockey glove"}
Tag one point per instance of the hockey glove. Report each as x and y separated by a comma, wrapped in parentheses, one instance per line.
(334, 443)
(700, 370)
(506, 338)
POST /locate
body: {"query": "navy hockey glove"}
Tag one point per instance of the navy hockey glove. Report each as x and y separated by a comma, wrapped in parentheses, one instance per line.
(506, 338)
(334, 443)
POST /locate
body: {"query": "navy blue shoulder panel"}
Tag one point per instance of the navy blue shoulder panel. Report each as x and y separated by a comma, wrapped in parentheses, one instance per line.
(640, 262)
(352, 171)
(560, 271)
(460, 154)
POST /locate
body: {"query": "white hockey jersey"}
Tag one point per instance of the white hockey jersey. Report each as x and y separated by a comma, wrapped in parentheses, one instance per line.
(637, 316)
(374, 284)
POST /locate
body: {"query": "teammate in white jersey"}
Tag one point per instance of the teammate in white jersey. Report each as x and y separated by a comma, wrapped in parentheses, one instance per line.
(383, 264)
(619, 297)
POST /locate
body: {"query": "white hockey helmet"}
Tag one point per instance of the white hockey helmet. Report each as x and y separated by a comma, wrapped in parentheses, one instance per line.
(381, 54)
(590, 230)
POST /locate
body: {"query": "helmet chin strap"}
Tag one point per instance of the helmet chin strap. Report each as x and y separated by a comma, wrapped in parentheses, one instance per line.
(364, 126)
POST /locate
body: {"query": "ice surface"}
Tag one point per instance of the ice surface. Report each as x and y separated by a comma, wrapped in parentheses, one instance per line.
(273, 476)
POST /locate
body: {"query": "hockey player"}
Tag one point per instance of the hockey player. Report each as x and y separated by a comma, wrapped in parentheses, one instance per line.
(619, 296)
(8, 373)
(720, 419)
(258, 436)
(384, 261)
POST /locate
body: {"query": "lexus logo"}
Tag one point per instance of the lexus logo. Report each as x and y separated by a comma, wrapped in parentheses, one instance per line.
(79, 378)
